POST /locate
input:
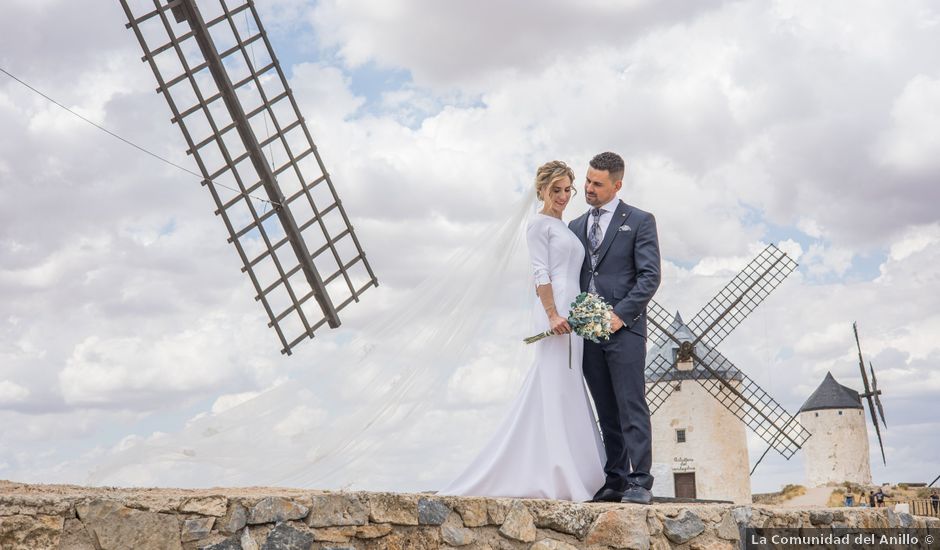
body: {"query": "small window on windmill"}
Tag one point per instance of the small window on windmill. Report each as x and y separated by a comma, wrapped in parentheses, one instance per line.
(817, 414)
(680, 436)
(840, 413)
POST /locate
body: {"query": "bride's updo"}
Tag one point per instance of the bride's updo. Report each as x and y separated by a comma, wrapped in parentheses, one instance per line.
(549, 173)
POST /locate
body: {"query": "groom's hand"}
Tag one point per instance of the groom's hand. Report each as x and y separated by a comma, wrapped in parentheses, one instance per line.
(616, 323)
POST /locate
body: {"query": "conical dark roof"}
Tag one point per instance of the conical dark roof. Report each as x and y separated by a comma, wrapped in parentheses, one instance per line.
(832, 395)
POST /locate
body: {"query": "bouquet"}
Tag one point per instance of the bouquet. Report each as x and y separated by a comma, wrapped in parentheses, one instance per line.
(589, 318)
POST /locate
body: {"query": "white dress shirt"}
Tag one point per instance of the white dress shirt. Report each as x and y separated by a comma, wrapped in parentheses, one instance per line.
(607, 214)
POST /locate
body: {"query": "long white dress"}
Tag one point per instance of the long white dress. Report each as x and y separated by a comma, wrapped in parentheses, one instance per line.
(548, 446)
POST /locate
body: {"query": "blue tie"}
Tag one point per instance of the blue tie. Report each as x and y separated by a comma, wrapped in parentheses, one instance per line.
(594, 236)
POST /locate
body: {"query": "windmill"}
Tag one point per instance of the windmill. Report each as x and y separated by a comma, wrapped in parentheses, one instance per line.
(835, 415)
(684, 352)
(872, 394)
(232, 103)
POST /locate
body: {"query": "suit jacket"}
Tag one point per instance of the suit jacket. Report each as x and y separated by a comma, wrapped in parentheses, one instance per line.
(627, 273)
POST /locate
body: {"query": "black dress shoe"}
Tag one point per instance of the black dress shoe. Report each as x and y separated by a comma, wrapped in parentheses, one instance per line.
(637, 495)
(606, 494)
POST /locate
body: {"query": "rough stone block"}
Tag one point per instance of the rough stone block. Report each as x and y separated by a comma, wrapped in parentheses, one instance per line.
(276, 509)
(118, 527)
(472, 511)
(215, 506)
(432, 511)
(519, 524)
(196, 528)
(565, 517)
(75, 537)
(373, 531)
(552, 544)
(285, 537)
(337, 510)
(393, 508)
(21, 532)
(683, 528)
(728, 529)
(456, 536)
(620, 528)
(235, 518)
(822, 517)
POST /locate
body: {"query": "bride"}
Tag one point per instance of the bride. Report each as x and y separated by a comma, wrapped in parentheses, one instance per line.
(548, 446)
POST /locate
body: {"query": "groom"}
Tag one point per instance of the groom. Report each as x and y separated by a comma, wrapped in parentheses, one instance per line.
(621, 266)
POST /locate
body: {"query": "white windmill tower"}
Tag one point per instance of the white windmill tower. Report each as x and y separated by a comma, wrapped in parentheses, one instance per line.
(834, 414)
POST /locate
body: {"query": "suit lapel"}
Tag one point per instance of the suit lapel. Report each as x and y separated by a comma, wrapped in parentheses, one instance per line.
(580, 230)
(621, 215)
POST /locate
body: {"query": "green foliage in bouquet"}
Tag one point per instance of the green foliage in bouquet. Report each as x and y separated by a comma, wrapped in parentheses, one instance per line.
(589, 318)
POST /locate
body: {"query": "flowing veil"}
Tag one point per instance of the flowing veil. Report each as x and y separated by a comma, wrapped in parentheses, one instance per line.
(425, 385)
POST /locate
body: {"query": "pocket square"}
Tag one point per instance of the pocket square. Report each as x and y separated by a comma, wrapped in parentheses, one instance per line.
(624, 228)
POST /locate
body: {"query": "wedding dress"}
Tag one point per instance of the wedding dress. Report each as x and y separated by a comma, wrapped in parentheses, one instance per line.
(411, 403)
(548, 446)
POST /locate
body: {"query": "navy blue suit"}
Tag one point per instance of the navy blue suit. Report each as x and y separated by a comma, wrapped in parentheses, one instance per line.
(627, 275)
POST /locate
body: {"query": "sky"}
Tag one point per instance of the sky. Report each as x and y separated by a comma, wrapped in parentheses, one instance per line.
(815, 126)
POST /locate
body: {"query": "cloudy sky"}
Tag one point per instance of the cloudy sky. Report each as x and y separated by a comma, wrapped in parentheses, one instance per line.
(812, 125)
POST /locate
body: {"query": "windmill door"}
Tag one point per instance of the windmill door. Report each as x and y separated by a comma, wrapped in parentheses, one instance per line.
(685, 484)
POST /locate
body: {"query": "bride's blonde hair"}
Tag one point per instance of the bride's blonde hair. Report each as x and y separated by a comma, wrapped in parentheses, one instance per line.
(549, 173)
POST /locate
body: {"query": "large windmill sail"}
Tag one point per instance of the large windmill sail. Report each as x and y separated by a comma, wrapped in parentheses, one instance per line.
(696, 343)
(216, 69)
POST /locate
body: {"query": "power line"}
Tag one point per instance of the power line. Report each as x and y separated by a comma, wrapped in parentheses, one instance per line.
(127, 141)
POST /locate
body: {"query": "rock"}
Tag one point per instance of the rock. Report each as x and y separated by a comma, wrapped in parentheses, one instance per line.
(905, 520)
(496, 510)
(552, 544)
(472, 511)
(564, 517)
(115, 526)
(230, 543)
(393, 508)
(728, 529)
(683, 528)
(21, 532)
(620, 528)
(285, 537)
(711, 543)
(234, 519)
(373, 531)
(742, 515)
(653, 524)
(205, 506)
(822, 517)
(456, 536)
(339, 548)
(519, 524)
(412, 539)
(75, 537)
(432, 511)
(196, 528)
(276, 509)
(247, 542)
(336, 510)
(334, 534)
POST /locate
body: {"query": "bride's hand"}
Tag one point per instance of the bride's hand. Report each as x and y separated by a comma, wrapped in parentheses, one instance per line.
(559, 324)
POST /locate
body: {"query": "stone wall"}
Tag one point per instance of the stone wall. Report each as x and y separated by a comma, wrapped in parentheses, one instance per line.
(77, 518)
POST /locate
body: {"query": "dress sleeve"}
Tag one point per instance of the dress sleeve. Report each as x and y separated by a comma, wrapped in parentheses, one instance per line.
(537, 239)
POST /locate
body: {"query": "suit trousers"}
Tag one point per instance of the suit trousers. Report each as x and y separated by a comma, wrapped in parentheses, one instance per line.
(615, 373)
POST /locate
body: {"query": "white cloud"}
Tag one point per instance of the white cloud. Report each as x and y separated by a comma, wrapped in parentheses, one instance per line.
(912, 143)
(11, 392)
